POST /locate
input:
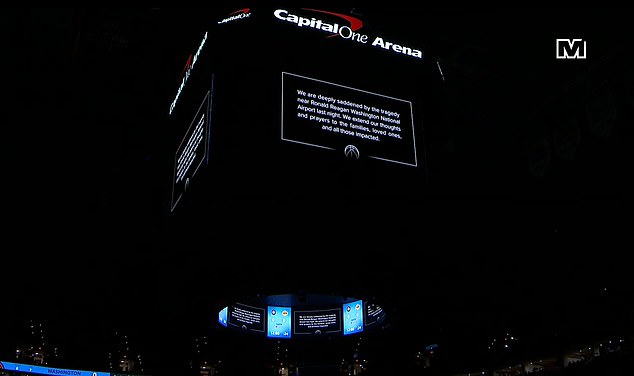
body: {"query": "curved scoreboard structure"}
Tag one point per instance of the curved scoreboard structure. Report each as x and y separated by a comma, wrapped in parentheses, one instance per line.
(300, 101)
(302, 316)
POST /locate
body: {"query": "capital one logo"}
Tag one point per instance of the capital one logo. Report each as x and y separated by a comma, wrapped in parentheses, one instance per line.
(571, 49)
(237, 15)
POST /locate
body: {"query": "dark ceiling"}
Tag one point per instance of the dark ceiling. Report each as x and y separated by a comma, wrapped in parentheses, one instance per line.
(529, 196)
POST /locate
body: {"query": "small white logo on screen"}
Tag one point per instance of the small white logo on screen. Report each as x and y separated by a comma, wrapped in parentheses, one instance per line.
(352, 152)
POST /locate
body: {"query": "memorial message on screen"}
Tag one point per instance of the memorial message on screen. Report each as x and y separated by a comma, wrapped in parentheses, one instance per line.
(192, 152)
(318, 322)
(246, 318)
(374, 314)
(359, 123)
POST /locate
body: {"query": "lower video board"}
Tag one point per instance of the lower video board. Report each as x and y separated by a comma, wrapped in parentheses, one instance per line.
(285, 321)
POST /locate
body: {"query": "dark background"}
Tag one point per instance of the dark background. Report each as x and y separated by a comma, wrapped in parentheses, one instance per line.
(521, 225)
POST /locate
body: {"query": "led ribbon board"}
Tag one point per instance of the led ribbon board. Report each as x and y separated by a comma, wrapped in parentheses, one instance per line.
(38, 370)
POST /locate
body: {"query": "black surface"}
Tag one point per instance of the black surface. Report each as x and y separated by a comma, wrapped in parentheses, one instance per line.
(521, 222)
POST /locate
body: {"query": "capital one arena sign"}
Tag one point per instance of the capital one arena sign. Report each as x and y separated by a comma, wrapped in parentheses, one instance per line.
(349, 31)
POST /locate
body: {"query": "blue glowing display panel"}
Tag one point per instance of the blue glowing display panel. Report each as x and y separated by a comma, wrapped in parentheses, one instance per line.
(279, 322)
(222, 316)
(353, 317)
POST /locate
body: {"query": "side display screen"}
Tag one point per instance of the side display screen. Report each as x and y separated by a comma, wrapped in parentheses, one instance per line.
(374, 314)
(353, 317)
(222, 316)
(192, 152)
(279, 322)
